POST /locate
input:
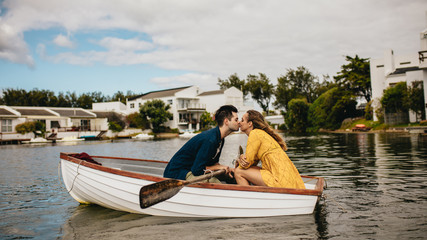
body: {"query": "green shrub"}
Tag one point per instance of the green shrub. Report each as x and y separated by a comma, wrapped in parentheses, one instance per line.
(330, 109)
(115, 127)
(395, 98)
(36, 127)
(369, 111)
(296, 116)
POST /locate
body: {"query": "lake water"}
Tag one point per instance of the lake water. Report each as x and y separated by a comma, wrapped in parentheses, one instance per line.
(377, 189)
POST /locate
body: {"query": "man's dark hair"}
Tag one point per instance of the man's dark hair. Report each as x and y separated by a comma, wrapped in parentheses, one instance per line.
(223, 112)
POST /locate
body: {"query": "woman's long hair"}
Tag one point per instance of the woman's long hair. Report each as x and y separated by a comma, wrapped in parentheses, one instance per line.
(259, 122)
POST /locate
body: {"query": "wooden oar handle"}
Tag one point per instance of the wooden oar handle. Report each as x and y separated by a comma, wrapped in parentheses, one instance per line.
(205, 176)
(160, 191)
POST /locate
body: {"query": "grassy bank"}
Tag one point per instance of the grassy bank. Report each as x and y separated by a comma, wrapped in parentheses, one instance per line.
(377, 126)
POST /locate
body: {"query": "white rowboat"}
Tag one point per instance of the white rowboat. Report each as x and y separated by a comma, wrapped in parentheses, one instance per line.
(117, 181)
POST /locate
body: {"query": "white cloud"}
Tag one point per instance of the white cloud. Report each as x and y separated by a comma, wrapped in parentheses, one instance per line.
(219, 38)
(117, 44)
(12, 46)
(63, 41)
(204, 81)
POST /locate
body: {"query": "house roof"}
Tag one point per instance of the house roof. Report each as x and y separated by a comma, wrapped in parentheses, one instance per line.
(215, 92)
(105, 114)
(31, 111)
(6, 113)
(404, 70)
(160, 93)
(73, 112)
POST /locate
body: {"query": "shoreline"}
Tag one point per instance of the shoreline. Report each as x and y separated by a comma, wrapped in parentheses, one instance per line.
(413, 130)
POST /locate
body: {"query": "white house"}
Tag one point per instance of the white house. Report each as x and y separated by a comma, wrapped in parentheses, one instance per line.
(184, 105)
(9, 118)
(62, 121)
(188, 104)
(215, 99)
(391, 69)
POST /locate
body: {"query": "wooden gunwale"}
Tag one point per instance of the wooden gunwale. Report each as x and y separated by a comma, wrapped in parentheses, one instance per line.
(315, 192)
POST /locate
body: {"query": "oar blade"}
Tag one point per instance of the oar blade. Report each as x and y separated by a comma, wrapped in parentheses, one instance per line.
(152, 194)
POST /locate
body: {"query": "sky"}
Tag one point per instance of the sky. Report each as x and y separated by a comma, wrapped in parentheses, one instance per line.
(142, 45)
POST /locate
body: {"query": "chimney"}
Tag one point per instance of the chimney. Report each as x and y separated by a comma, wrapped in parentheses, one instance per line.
(423, 38)
(389, 67)
(422, 55)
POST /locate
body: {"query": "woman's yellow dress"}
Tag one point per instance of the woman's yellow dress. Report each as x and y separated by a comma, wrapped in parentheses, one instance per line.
(277, 169)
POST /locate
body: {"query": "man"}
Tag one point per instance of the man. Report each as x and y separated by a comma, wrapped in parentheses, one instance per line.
(201, 153)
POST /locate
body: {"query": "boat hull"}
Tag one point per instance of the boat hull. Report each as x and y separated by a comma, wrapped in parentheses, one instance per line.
(118, 189)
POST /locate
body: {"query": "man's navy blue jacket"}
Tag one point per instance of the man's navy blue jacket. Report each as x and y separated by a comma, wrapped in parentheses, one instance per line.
(200, 151)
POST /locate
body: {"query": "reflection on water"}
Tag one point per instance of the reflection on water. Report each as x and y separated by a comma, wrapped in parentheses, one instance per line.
(94, 222)
(376, 190)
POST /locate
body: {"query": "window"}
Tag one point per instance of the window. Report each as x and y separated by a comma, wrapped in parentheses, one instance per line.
(6, 125)
(132, 105)
(85, 125)
(54, 124)
(170, 101)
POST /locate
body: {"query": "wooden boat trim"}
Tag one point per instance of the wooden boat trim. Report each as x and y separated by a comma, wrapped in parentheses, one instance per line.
(315, 192)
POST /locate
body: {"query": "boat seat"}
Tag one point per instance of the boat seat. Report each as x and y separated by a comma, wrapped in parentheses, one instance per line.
(143, 169)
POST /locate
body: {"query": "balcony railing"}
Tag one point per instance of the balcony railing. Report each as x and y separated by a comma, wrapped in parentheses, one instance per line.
(422, 55)
(192, 107)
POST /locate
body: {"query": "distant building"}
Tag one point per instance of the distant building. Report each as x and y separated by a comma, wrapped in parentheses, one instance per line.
(391, 69)
(275, 120)
(188, 104)
(62, 121)
(117, 107)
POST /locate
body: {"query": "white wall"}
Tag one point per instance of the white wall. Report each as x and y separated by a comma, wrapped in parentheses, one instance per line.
(110, 106)
(213, 102)
(381, 78)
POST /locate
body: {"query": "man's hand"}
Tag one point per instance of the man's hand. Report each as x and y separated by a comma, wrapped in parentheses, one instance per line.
(219, 167)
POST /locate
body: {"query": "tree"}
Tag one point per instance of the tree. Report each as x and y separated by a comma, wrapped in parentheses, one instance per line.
(206, 120)
(72, 97)
(261, 89)
(369, 111)
(136, 120)
(395, 99)
(12, 97)
(356, 77)
(156, 112)
(41, 98)
(85, 100)
(296, 116)
(233, 81)
(416, 99)
(299, 83)
(62, 101)
(98, 97)
(120, 96)
(330, 109)
(36, 97)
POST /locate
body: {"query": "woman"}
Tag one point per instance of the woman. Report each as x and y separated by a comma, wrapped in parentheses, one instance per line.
(268, 147)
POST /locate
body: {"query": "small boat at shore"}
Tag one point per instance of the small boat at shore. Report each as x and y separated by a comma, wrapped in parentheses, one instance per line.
(70, 139)
(142, 136)
(187, 135)
(38, 140)
(115, 183)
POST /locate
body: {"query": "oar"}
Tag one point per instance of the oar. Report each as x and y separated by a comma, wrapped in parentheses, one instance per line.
(161, 191)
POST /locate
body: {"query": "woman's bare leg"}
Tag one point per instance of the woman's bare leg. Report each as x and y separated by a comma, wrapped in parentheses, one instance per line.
(247, 176)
